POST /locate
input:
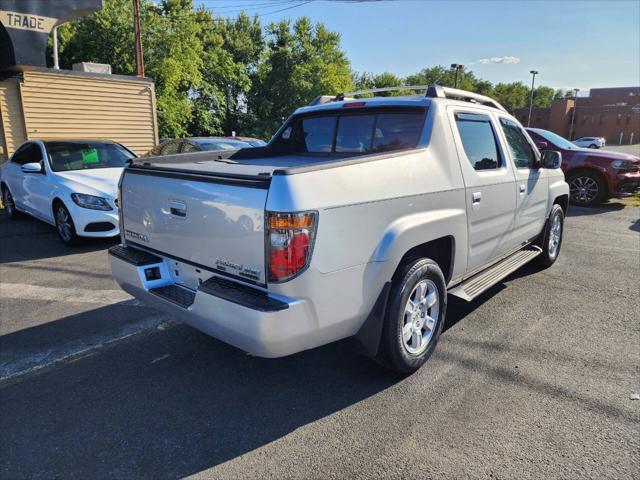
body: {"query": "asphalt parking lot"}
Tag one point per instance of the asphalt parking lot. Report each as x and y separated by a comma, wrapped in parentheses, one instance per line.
(533, 380)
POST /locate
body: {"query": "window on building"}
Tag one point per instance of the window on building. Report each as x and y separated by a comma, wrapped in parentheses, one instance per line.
(601, 119)
(628, 119)
(619, 119)
(478, 140)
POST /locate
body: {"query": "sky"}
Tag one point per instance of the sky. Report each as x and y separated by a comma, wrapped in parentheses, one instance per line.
(572, 44)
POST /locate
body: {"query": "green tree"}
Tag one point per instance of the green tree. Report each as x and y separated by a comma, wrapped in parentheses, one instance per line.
(301, 61)
(172, 49)
(543, 96)
(512, 96)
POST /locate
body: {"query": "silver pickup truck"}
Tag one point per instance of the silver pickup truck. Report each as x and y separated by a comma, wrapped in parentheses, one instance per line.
(354, 222)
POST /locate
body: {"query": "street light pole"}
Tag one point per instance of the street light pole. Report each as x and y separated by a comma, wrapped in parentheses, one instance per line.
(138, 39)
(573, 115)
(456, 67)
(533, 80)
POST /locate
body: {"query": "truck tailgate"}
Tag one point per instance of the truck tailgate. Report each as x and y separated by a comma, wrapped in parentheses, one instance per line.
(215, 222)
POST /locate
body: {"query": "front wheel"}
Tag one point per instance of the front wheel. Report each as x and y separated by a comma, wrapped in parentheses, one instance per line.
(593, 145)
(551, 240)
(586, 188)
(415, 316)
(65, 226)
(9, 204)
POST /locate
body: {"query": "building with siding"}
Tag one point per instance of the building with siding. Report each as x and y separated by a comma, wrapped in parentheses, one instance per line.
(41, 103)
(612, 113)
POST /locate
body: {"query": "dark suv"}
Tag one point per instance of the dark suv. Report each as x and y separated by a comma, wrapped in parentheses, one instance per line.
(593, 175)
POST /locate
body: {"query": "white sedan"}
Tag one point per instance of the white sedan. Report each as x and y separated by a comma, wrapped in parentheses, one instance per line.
(590, 142)
(69, 184)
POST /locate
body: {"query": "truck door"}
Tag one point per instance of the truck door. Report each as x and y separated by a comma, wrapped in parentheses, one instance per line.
(532, 183)
(489, 185)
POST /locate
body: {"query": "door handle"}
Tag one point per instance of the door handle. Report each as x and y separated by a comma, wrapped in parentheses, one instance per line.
(522, 189)
(476, 197)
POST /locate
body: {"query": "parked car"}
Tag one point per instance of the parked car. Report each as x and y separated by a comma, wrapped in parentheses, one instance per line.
(256, 142)
(590, 142)
(196, 144)
(593, 176)
(71, 184)
(355, 221)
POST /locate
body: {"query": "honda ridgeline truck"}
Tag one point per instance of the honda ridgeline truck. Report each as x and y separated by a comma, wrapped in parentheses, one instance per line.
(355, 221)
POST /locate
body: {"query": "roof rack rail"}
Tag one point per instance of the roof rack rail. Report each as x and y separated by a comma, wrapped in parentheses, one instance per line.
(433, 91)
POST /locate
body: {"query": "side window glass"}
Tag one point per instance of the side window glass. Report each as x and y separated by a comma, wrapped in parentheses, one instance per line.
(479, 140)
(188, 147)
(29, 153)
(520, 148)
(170, 148)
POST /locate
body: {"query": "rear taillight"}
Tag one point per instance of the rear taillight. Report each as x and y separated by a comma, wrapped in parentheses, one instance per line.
(289, 243)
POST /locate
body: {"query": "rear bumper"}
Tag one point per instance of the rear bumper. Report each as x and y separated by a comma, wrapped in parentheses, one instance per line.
(263, 324)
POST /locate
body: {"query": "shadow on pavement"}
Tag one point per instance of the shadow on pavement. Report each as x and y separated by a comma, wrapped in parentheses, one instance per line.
(26, 238)
(611, 206)
(170, 404)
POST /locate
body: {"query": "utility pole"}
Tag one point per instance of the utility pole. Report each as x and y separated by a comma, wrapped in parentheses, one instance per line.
(573, 115)
(533, 80)
(456, 67)
(138, 38)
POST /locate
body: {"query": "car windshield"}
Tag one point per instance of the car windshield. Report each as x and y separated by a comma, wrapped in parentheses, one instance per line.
(557, 140)
(222, 145)
(65, 156)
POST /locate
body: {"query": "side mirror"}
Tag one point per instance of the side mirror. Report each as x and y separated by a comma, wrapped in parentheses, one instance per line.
(551, 159)
(542, 145)
(34, 167)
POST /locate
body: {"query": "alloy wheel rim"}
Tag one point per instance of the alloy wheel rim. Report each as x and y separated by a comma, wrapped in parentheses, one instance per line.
(7, 200)
(63, 224)
(583, 189)
(554, 236)
(420, 317)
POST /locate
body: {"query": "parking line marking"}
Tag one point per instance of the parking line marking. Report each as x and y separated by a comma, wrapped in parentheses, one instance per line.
(23, 291)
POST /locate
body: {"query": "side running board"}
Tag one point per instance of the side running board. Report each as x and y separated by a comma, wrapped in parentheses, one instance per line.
(474, 286)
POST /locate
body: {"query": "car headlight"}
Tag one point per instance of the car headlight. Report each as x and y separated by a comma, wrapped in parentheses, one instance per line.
(90, 201)
(622, 164)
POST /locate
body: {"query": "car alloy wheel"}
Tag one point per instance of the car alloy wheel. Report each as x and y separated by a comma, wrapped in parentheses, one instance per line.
(583, 189)
(7, 201)
(555, 235)
(420, 317)
(63, 224)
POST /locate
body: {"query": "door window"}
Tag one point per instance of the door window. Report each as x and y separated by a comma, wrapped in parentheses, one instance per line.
(29, 153)
(520, 148)
(479, 140)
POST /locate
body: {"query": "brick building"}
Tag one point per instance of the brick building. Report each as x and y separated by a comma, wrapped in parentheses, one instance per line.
(613, 113)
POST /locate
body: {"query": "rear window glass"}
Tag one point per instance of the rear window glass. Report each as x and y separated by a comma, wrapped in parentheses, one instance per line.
(353, 133)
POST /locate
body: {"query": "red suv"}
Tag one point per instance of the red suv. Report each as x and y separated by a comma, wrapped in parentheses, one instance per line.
(593, 175)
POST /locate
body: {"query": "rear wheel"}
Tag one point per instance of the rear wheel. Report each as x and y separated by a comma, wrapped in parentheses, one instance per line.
(64, 225)
(586, 189)
(9, 204)
(414, 317)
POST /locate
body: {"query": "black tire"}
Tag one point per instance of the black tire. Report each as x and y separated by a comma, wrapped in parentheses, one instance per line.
(551, 250)
(395, 353)
(586, 189)
(9, 204)
(593, 145)
(65, 227)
